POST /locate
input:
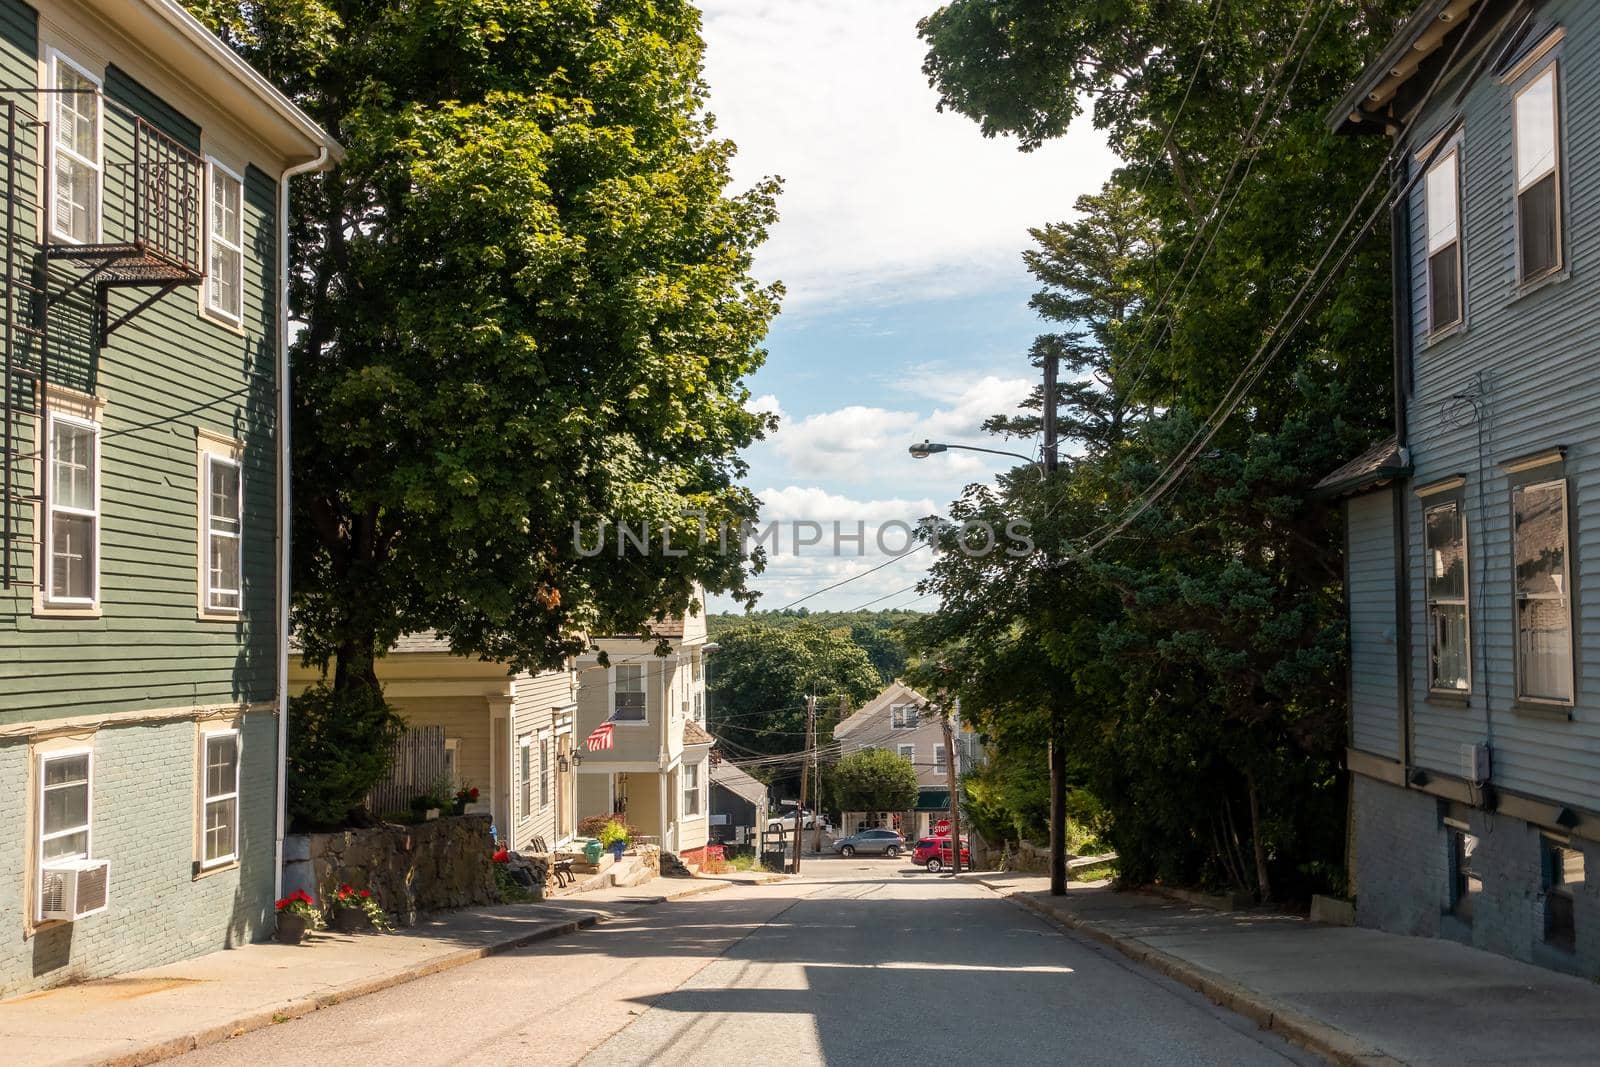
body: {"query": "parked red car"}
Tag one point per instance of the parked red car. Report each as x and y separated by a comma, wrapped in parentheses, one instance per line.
(934, 853)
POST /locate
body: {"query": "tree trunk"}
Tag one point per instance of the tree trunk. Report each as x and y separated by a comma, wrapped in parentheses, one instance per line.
(1263, 883)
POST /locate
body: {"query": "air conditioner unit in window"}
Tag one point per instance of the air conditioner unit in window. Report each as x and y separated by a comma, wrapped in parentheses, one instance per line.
(71, 889)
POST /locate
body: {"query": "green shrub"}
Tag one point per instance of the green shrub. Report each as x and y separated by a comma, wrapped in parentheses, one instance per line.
(612, 832)
(340, 745)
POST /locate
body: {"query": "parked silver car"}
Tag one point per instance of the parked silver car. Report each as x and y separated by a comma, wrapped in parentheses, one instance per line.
(884, 842)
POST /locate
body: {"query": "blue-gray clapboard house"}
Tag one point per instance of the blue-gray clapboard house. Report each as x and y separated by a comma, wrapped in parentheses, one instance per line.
(1474, 534)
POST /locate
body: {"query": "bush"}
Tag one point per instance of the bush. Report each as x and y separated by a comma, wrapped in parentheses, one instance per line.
(613, 832)
(875, 780)
(592, 825)
(340, 745)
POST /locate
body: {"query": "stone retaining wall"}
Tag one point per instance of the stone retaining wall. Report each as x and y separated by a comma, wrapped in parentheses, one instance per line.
(410, 870)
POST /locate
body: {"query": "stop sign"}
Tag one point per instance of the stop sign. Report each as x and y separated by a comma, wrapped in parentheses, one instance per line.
(942, 826)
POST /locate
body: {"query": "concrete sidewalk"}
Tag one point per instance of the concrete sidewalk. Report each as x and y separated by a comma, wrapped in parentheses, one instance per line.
(150, 1015)
(1355, 996)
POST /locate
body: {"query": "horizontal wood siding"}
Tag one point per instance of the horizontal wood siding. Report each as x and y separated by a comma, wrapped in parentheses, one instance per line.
(1529, 366)
(166, 374)
(1374, 656)
(533, 709)
(462, 718)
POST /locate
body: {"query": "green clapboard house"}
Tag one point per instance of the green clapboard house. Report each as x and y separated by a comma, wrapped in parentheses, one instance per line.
(141, 652)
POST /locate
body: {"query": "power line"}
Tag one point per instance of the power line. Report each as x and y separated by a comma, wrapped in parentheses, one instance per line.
(1264, 356)
(854, 577)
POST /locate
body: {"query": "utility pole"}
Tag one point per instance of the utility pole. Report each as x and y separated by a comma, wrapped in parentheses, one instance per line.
(1058, 755)
(816, 776)
(955, 802)
(811, 755)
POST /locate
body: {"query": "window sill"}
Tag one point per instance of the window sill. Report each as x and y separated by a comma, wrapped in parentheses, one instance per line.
(1523, 290)
(1538, 709)
(216, 318)
(1440, 336)
(630, 722)
(219, 616)
(62, 611)
(201, 873)
(1448, 700)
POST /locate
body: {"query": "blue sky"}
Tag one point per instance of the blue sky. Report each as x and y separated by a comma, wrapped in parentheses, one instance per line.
(900, 246)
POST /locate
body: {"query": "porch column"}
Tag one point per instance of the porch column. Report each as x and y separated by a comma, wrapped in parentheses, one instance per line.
(500, 765)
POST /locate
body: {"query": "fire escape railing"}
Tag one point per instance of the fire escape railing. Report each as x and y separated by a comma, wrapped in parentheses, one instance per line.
(155, 213)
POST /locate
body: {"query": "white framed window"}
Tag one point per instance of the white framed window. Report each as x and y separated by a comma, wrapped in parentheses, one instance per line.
(77, 171)
(72, 493)
(938, 756)
(1543, 592)
(907, 751)
(525, 776)
(1535, 133)
(224, 242)
(1444, 540)
(65, 808)
(691, 789)
(1442, 209)
(627, 693)
(452, 761)
(219, 797)
(222, 527)
(699, 706)
(903, 716)
(544, 770)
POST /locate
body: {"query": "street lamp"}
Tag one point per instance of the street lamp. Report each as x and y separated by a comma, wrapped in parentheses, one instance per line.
(928, 448)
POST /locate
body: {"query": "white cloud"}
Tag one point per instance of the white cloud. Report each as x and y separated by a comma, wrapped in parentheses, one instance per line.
(882, 193)
(859, 444)
(765, 404)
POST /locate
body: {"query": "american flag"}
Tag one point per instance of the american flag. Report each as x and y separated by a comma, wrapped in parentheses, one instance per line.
(601, 738)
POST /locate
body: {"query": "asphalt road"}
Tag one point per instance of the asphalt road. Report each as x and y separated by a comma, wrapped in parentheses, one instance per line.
(864, 962)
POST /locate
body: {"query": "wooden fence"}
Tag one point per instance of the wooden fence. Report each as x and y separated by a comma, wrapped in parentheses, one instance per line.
(419, 763)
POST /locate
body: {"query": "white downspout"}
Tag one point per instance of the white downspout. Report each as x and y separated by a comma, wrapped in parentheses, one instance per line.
(284, 480)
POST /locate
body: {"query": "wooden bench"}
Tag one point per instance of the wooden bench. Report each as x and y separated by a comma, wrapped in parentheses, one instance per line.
(562, 869)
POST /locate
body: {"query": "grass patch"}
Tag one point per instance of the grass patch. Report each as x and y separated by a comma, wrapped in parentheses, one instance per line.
(1094, 874)
(746, 863)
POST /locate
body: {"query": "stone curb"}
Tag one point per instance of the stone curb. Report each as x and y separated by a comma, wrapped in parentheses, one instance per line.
(168, 1048)
(1266, 1012)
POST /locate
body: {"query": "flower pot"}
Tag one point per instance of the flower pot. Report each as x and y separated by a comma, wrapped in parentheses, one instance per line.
(351, 920)
(460, 808)
(591, 852)
(617, 848)
(430, 815)
(291, 927)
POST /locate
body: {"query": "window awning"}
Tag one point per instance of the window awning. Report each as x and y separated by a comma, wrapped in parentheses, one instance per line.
(933, 800)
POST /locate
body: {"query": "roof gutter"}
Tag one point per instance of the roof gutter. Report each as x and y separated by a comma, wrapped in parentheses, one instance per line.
(178, 17)
(284, 496)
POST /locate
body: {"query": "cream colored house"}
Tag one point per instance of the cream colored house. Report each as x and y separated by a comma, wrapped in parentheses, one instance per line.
(900, 720)
(509, 735)
(657, 770)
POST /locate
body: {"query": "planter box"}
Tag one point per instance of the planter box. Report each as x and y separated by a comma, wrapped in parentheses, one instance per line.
(351, 921)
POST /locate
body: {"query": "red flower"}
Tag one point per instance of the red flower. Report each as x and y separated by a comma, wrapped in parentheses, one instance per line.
(502, 856)
(474, 793)
(346, 890)
(365, 894)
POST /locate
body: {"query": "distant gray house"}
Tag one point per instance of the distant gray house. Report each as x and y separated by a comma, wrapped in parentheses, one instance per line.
(1475, 717)
(899, 719)
(738, 805)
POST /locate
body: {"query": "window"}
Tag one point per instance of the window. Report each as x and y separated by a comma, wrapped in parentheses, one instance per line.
(1538, 177)
(73, 492)
(907, 752)
(75, 164)
(938, 755)
(627, 693)
(525, 777)
(544, 772)
(223, 526)
(1465, 885)
(1443, 210)
(63, 806)
(1445, 541)
(219, 798)
(224, 243)
(452, 761)
(699, 707)
(1563, 877)
(903, 716)
(1543, 595)
(691, 789)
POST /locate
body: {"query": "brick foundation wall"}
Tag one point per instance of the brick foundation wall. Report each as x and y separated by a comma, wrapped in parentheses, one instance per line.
(144, 798)
(1402, 878)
